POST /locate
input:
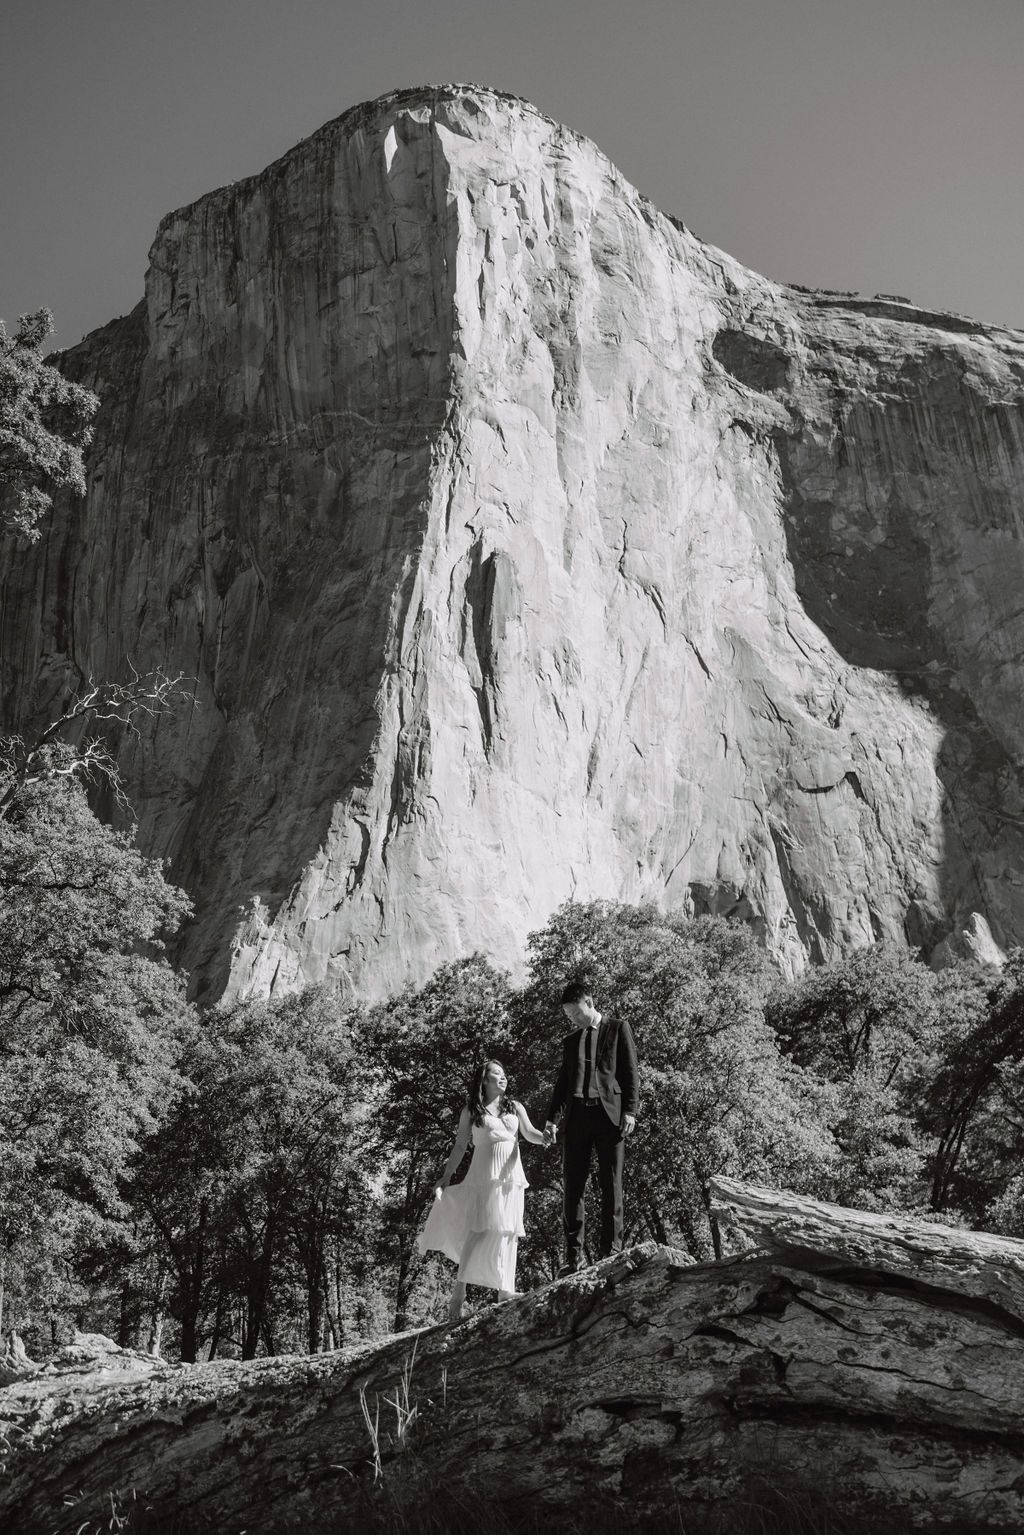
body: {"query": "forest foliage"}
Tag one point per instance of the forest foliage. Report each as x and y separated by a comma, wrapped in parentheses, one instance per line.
(45, 426)
(251, 1178)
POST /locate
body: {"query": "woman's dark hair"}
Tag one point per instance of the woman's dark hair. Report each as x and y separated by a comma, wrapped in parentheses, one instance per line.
(475, 1095)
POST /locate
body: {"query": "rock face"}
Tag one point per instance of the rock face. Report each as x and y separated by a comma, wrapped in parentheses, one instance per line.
(524, 547)
(858, 1367)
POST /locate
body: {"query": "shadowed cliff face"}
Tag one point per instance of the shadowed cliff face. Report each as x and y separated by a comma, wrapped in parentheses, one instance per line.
(524, 547)
(903, 525)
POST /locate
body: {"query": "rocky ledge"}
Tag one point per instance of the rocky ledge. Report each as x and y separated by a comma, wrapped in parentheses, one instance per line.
(873, 1362)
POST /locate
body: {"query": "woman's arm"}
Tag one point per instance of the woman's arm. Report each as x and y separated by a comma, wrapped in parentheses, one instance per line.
(529, 1132)
(457, 1153)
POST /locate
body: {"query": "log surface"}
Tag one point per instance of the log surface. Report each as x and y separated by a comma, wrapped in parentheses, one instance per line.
(882, 1358)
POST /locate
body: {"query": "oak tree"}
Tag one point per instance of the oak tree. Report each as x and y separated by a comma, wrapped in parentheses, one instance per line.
(90, 1014)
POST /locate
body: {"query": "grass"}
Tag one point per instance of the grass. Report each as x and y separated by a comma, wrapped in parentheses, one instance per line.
(407, 1415)
(131, 1513)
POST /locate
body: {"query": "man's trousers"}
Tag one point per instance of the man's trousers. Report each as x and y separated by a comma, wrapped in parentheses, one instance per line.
(588, 1129)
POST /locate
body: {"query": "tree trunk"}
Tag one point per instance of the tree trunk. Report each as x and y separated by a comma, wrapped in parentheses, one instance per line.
(314, 1315)
(218, 1322)
(189, 1338)
(862, 1371)
(126, 1324)
(706, 1201)
(257, 1290)
(403, 1288)
(192, 1278)
(157, 1315)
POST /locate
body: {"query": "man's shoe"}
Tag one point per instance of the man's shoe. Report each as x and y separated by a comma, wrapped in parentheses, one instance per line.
(572, 1267)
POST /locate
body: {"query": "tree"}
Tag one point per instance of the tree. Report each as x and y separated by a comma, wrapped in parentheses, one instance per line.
(45, 424)
(250, 1183)
(421, 1048)
(90, 1013)
(51, 755)
(868, 1025)
(716, 1095)
(974, 1103)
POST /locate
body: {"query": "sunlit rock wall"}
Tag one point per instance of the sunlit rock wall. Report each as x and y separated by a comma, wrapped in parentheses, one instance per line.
(523, 547)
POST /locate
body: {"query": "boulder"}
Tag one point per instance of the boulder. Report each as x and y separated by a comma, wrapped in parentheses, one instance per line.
(14, 1360)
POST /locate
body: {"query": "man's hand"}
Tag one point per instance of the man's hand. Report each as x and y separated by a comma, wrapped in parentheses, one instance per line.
(628, 1124)
(550, 1134)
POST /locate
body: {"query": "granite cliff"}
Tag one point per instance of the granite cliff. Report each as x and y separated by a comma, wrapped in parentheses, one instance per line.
(523, 546)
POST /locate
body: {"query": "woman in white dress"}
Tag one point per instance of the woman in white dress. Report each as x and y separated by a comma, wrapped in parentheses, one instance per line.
(478, 1222)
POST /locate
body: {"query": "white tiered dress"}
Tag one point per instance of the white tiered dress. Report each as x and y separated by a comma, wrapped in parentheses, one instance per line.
(489, 1200)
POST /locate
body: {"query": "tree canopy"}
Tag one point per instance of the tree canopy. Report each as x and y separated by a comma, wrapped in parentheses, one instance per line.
(421, 1048)
(90, 1016)
(717, 1095)
(45, 424)
(266, 1195)
(256, 1176)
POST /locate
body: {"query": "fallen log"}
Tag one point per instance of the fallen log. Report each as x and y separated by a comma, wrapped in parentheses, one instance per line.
(872, 1363)
(971, 1264)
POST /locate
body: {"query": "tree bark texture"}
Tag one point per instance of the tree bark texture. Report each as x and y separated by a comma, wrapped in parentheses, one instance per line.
(873, 1362)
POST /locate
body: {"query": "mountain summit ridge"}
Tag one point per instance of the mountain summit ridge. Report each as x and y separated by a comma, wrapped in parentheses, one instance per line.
(523, 548)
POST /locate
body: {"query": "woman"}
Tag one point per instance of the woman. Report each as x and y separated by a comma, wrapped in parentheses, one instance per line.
(478, 1222)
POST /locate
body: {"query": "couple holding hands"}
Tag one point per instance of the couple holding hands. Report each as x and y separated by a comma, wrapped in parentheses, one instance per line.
(478, 1222)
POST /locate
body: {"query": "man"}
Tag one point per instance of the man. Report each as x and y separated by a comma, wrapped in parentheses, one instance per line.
(597, 1086)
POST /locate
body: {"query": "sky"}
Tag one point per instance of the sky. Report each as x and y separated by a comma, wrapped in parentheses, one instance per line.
(873, 145)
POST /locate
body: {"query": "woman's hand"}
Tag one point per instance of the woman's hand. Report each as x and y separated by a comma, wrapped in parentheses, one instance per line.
(438, 1191)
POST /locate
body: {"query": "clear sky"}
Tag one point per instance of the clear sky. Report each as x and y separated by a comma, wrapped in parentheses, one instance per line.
(871, 144)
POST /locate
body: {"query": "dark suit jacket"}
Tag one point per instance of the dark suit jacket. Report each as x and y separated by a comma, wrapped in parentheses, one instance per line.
(616, 1073)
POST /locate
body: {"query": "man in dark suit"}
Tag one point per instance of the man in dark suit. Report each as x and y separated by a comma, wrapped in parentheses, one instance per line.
(597, 1086)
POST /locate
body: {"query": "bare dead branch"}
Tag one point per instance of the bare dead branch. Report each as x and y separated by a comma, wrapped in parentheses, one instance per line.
(48, 757)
